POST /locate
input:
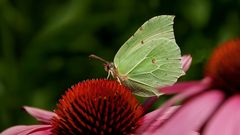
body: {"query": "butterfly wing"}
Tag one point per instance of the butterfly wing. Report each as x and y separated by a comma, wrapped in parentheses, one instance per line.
(156, 27)
(150, 58)
(159, 66)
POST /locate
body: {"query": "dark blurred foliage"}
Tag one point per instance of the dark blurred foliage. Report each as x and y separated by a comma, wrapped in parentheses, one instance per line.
(44, 44)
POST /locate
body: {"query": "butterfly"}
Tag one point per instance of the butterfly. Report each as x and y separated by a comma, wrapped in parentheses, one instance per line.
(149, 59)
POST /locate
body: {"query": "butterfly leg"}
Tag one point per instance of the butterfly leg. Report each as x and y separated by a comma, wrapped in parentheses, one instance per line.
(109, 73)
(118, 79)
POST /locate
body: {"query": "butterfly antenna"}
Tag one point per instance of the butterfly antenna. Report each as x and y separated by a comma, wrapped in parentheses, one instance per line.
(98, 58)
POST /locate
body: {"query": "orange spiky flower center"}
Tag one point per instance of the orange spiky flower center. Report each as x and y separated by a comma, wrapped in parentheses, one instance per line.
(224, 66)
(97, 107)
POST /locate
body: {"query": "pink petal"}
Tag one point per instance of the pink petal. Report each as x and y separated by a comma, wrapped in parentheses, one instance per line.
(26, 130)
(181, 87)
(227, 120)
(149, 102)
(187, 93)
(188, 88)
(192, 115)
(159, 120)
(41, 115)
(186, 62)
(47, 131)
(16, 130)
(194, 133)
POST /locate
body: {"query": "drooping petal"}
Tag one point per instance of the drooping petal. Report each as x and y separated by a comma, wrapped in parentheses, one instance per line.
(179, 87)
(186, 88)
(187, 93)
(43, 132)
(149, 102)
(194, 133)
(186, 62)
(26, 130)
(159, 120)
(16, 130)
(40, 114)
(227, 119)
(192, 115)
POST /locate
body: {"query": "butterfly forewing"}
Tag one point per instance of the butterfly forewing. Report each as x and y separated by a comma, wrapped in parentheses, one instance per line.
(156, 27)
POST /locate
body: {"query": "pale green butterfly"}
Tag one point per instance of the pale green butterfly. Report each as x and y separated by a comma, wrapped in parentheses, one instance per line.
(150, 59)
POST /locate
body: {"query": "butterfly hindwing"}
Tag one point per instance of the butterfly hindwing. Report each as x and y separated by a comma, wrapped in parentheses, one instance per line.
(155, 69)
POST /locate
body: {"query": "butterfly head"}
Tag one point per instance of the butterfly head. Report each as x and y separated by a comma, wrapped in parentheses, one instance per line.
(108, 66)
(111, 69)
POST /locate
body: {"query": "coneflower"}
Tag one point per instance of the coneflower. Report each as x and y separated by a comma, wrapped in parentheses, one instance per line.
(94, 107)
(97, 107)
(211, 105)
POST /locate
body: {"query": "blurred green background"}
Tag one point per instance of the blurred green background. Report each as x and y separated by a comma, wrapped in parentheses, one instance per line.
(44, 44)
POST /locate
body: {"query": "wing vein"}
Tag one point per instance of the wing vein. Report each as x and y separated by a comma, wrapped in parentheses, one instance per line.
(140, 82)
(158, 77)
(139, 61)
(160, 33)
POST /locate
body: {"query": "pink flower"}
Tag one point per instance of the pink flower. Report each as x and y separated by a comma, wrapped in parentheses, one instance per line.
(94, 107)
(210, 106)
(42, 129)
(90, 107)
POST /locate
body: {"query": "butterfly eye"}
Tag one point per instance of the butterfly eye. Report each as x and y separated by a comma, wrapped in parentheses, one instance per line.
(106, 67)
